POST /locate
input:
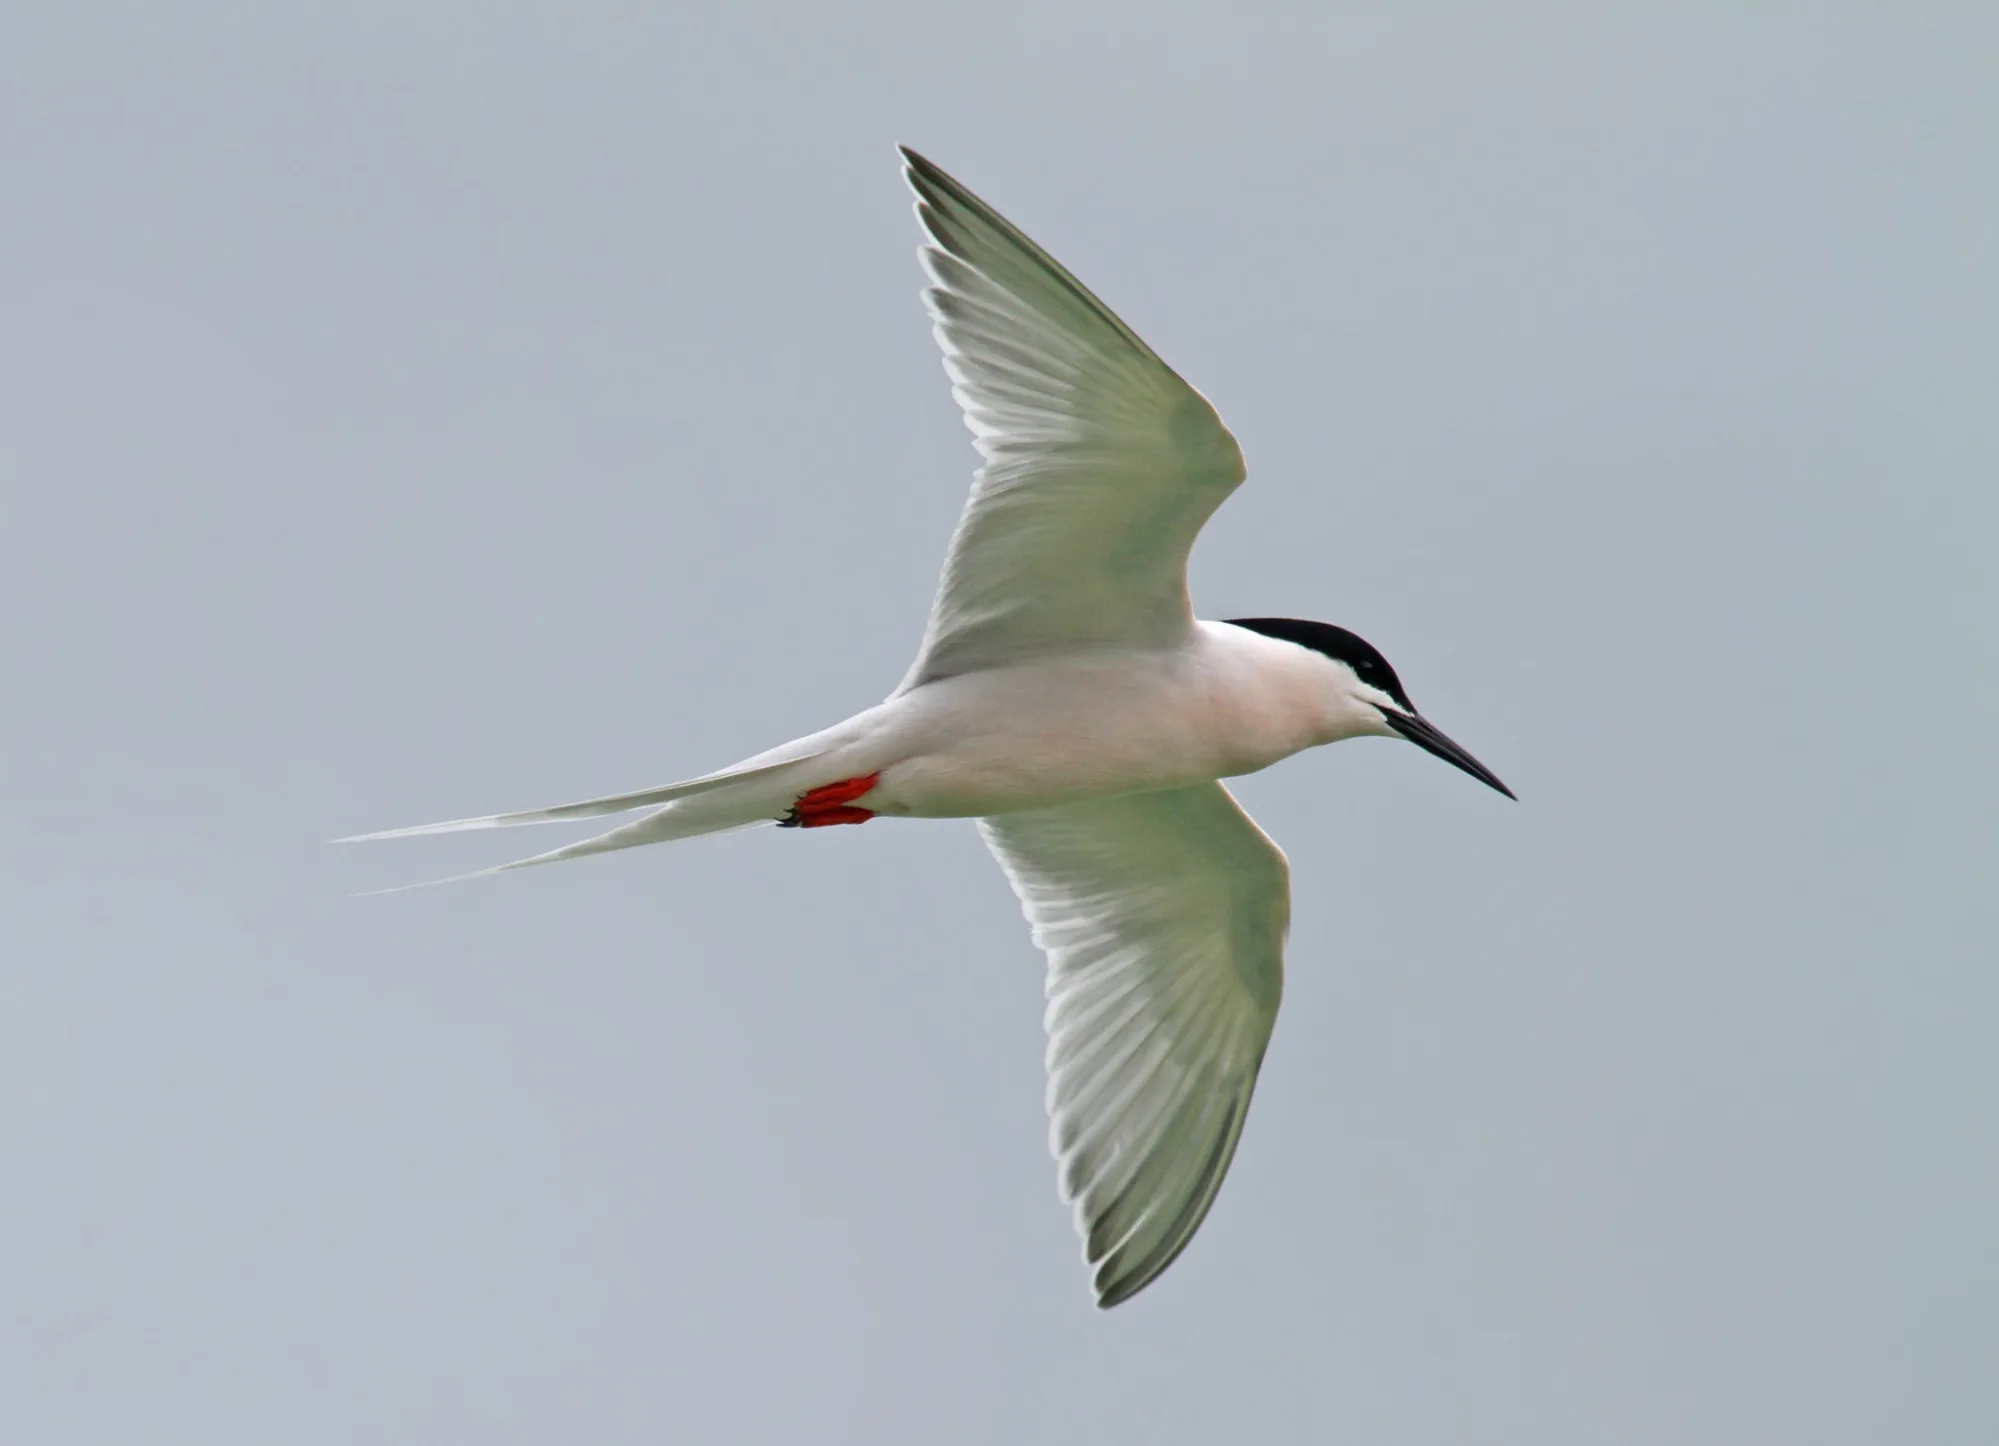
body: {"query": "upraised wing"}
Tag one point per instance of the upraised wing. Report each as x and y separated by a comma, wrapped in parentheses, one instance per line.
(1163, 917)
(1101, 464)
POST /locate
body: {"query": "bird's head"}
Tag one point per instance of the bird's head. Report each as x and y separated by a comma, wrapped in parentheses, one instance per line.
(1370, 697)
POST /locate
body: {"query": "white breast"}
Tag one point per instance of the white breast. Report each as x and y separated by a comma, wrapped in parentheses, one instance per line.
(1087, 725)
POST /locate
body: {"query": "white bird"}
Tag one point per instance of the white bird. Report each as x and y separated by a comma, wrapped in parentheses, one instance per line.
(1066, 697)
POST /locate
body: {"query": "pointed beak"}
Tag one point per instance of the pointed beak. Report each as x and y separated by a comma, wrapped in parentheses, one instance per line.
(1425, 735)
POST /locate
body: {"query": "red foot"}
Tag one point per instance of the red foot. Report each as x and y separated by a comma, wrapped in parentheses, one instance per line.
(823, 807)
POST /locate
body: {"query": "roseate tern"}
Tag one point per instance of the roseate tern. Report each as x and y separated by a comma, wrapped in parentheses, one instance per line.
(1066, 697)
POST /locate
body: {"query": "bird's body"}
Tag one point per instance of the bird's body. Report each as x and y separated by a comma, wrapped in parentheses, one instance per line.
(1066, 697)
(1047, 731)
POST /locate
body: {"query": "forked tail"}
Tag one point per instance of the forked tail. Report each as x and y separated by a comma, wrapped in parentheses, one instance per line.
(758, 791)
(589, 807)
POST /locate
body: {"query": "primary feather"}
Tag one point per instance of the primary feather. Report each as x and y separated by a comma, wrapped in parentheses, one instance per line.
(1163, 917)
(1101, 464)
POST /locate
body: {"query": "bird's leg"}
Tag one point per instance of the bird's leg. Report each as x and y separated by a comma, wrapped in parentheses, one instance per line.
(823, 807)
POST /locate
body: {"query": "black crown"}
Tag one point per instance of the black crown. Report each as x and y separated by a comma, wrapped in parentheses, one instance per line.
(1337, 643)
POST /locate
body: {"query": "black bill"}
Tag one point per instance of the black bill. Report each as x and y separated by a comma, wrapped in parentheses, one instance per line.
(1424, 734)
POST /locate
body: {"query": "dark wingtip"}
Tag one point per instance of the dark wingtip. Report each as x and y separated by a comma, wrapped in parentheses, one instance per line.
(934, 184)
(1110, 1294)
(917, 165)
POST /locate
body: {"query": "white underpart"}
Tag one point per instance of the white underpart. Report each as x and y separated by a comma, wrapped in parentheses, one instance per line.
(1065, 727)
(1065, 695)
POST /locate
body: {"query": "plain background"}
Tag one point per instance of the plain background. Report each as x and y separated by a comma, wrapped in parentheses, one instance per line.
(417, 410)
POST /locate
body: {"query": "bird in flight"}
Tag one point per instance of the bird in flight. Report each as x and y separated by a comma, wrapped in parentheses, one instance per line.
(1066, 697)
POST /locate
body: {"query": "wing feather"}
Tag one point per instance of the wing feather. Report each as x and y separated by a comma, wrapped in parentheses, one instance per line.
(1101, 464)
(1163, 917)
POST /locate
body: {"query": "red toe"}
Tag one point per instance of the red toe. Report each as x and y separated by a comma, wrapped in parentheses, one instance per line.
(828, 805)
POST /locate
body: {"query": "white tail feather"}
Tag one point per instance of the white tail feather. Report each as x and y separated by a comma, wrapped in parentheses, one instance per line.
(757, 792)
(589, 808)
(660, 827)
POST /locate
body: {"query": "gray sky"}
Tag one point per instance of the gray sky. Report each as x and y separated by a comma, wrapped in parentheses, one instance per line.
(410, 411)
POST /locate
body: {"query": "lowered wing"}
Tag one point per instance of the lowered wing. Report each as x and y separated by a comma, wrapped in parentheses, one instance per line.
(1163, 917)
